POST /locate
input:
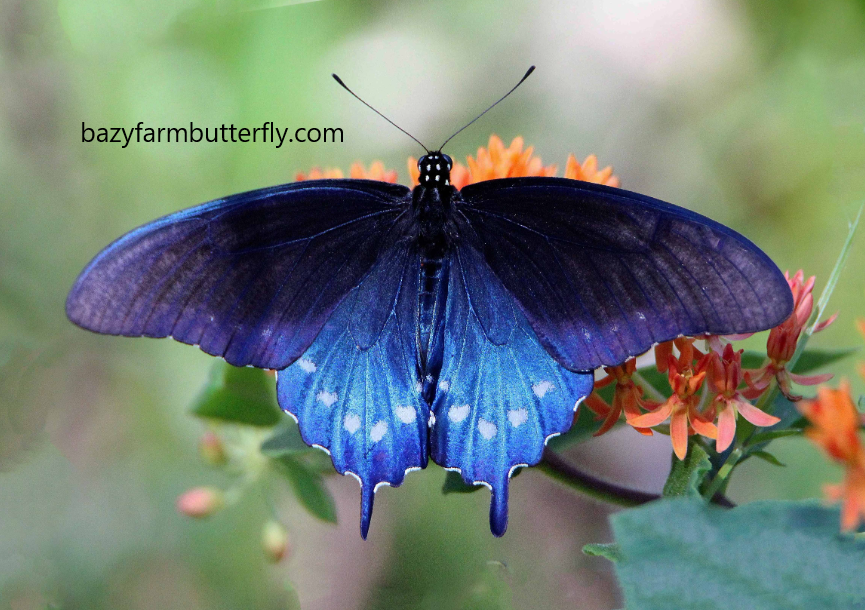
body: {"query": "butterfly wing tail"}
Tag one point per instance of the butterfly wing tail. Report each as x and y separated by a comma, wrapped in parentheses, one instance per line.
(500, 395)
(499, 507)
(355, 390)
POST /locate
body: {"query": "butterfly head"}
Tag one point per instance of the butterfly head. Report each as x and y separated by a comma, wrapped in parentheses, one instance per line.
(435, 169)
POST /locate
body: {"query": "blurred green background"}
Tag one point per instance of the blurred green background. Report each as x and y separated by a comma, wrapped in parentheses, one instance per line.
(749, 112)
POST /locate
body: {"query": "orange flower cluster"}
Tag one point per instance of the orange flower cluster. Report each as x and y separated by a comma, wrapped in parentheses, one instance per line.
(627, 398)
(730, 388)
(835, 424)
(685, 375)
(376, 171)
(492, 162)
(725, 378)
(687, 412)
(496, 161)
(783, 340)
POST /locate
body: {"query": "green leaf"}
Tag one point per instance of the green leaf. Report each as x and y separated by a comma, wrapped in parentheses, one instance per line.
(813, 359)
(241, 395)
(285, 440)
(752, 359)
(309, 487)
(454, 484)
(771, 435)
(683, 553)
(687, 475)
(609, 551)
(768, 457)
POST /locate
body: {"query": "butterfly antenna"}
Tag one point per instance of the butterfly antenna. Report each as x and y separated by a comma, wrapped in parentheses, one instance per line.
(525, 76)
(344, 86)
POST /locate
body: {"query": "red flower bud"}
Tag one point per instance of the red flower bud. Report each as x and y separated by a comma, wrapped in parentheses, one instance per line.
(200, 502)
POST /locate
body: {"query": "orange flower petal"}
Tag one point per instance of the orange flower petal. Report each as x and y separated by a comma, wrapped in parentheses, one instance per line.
(755, 415)
(316, 173)
(679, 433)
(610, 421)
(597, 405)
(703, 427)
(726, 428)
(654, 418)
(825, 323)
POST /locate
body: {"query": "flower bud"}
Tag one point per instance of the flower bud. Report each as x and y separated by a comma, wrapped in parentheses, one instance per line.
(274, 540)
(212, 449)
(200, 502)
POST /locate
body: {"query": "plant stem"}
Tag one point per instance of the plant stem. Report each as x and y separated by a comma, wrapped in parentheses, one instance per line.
(723, 473)
(559, 469)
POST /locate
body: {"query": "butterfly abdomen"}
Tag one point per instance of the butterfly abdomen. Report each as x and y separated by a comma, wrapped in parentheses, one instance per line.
(431, 299)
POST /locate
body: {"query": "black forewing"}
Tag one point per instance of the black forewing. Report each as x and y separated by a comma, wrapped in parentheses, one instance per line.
(602, 273)
(251, 278)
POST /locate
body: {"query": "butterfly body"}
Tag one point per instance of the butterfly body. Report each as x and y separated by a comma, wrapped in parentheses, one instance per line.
(407, 324)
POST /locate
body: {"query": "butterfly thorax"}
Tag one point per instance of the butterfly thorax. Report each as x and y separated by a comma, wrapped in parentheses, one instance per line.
(431, 203)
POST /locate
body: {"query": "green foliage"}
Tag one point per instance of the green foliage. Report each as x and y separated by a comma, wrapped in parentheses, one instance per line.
(454, 484)
(686, 475)
(308, 485)
(813, 359)
(286, 440)
(683, 553)
(609, 551)
(767, 457)
(240, 395)
(770, 435)
(584, 426)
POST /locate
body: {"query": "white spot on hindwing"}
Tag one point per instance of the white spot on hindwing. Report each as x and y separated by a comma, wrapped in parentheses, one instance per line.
(327, 398)
(351, 423)
(378, 431)
(541, 388)
(307, 365)
(444, 385)
(518, 417)
(418, 387)
(406, 414)
(487, 428)
(458, 413)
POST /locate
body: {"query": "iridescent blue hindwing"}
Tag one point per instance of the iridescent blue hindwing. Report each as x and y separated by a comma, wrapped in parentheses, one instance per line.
(355, 391)
(500, 396)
